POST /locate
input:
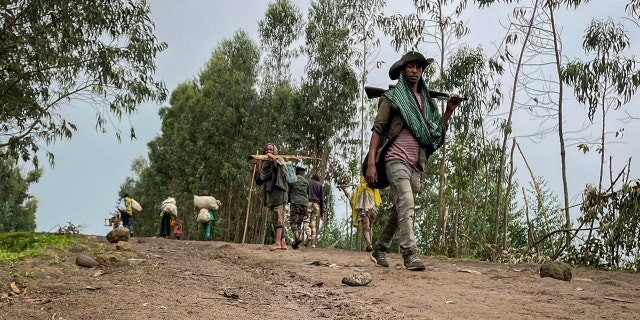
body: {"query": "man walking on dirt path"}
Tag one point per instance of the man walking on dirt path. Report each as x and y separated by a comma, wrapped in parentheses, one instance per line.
(316, 210)
(364, 201)
(298, 201)
(126, 212)
(406, 131)
(275, 191)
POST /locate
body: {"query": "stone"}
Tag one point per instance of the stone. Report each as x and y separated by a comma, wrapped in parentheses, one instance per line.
(123, 246)
(85, 261)
(556, 270)
(358, 279)
(118, 234)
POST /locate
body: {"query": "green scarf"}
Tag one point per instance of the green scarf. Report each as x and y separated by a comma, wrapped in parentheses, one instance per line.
(420, 124)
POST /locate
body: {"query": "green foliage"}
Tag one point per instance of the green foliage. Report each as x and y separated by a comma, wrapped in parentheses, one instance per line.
(57, 52)
(615, 242)
(429, 24)
(545, 216)
(15, 246)
(609, 76)
(207, 132)
(330, 87)
(17, 206)
(278, 31)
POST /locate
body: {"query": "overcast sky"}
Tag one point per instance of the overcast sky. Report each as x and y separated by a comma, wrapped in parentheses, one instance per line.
(82, 187)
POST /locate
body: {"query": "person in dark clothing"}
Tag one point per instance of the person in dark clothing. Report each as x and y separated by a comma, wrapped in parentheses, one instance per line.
(126, 212)
(298, 202)
(275, 191)
(165, 222)
(316, 210)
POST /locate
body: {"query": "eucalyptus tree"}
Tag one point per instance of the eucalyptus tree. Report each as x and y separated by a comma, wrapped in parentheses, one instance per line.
(538, 50)
(604, 84)
(469, 171)
(278, 32)
(547, 215)
(58, 53)
(17, 206)
(207, 133)
(330, 87)
(227, 132)
(608, 81)
(172, 156)
(362, 16)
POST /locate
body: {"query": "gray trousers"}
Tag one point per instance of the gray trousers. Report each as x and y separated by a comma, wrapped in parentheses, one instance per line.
(405, 184)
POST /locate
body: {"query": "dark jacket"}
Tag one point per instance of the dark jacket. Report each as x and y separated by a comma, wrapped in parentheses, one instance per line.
(316, 193)
(275, 189)
(299, 192)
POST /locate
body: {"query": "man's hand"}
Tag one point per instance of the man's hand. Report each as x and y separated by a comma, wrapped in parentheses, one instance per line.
(453, 102)
(372, 174)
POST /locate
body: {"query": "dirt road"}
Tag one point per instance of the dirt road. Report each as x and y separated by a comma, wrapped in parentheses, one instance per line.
(170, 279)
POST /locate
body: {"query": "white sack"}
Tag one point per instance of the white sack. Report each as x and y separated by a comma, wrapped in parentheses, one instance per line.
(203, 216)
(171, 208)
(206, 202)
(169, 200)
(135, 206)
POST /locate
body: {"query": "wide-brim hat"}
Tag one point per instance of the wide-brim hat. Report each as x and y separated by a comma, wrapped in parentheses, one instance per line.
(412, 56)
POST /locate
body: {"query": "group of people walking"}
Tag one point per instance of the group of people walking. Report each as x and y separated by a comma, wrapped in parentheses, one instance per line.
(407, 129)
(168, 214)
(305, 196)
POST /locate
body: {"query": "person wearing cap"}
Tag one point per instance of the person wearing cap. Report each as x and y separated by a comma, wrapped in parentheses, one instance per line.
(275, 192)
(298, 201)
(407, 129)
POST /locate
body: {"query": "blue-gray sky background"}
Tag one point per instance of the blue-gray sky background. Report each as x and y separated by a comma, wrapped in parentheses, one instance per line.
(82, 187)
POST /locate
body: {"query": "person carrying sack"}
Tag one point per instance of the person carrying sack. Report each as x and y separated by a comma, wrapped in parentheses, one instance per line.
(126, 212)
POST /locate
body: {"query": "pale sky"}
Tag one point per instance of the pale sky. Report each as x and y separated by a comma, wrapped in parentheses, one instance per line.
(82, 187)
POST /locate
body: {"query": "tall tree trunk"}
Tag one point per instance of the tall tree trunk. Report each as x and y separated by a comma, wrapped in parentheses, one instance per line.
(530, 236)
(563, 154)
(325, 160)
(507, 125)
(508, 197)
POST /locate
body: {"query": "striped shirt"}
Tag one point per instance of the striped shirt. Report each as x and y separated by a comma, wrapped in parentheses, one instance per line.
(405, 146)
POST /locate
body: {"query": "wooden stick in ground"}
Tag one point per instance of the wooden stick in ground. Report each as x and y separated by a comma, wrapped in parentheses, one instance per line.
(246, 218)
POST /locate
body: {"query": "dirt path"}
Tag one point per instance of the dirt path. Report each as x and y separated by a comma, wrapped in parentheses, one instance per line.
(169, 279)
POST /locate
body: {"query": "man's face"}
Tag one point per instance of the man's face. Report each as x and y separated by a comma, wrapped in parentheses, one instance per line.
(413, 72)
(269, 149)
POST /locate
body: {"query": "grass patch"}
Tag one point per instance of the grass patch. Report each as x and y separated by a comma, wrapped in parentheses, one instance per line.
(15, 246)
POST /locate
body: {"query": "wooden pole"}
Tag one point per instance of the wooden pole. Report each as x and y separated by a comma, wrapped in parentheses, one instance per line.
(246, 219)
